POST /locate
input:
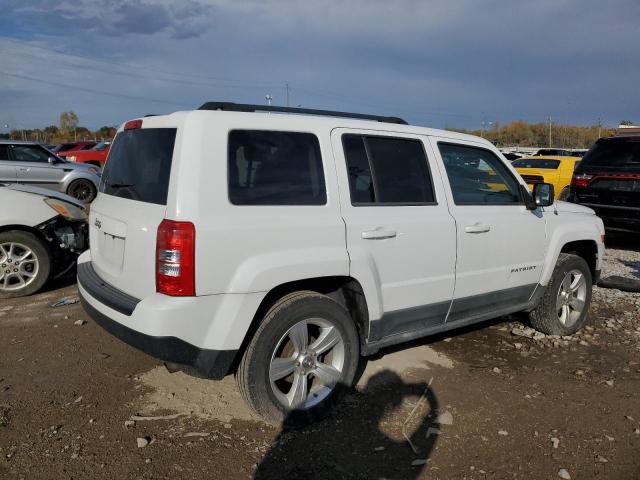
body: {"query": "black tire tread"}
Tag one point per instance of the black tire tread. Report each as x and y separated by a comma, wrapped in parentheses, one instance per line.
(242, 373)
(544, 317)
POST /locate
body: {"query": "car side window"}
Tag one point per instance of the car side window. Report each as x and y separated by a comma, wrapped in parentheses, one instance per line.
(477, 176)
(387, 171)
(275, 168)
(29, 153)
(4, 153)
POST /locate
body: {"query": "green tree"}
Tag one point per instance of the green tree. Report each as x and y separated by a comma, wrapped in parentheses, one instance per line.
(68, 121)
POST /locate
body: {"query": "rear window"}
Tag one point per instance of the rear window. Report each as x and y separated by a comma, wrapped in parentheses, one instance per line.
(548, 164)
(614, 152)
(139, 165)
(275, 168)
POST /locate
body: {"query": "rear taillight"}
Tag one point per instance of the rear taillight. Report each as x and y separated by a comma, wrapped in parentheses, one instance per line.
(175, 259)
(581, 180)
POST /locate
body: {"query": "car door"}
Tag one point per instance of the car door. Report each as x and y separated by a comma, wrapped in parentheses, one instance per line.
(501, 244)
(399, 233)
(8, 173)
(33, 167)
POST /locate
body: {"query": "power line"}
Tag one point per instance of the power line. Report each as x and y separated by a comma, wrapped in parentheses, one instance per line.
(143, 76)
(138, 67)
(89, 90)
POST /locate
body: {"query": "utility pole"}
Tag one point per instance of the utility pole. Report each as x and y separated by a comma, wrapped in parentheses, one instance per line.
(599, 127)
(286, 87)
(549, 131)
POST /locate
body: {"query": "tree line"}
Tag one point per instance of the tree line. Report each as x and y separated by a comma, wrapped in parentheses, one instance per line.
(525, 134)
(517, 133)
(67, 130)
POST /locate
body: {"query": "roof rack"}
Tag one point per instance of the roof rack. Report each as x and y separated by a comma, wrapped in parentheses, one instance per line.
(243, 107)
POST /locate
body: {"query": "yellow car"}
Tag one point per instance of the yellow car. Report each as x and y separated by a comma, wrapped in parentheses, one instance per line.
(549, 169)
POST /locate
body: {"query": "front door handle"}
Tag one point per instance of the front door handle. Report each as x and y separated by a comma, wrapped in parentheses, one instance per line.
(23, 169)
(477, 228)
(378, 234)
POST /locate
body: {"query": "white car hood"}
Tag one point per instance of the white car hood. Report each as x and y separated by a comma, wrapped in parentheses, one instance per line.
(45, 192)
(568, 207)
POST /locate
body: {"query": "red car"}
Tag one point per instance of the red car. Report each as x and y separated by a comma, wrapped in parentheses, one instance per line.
(96, 156)
(63, 149)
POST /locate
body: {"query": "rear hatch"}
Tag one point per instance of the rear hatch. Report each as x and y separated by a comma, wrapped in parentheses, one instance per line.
(609, 175)
(131, 204)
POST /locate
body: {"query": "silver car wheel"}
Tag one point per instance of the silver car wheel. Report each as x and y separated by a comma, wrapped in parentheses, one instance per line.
(19, 266)
(307, 364)
(571, 297)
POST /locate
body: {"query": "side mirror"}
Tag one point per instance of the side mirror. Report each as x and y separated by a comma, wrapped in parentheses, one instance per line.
(543, 194)
(52, 160)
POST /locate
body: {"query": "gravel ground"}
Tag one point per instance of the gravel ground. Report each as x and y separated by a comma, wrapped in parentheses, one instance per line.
(493, 401)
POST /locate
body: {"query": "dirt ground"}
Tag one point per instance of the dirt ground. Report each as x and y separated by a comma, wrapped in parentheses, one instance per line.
(486, 402)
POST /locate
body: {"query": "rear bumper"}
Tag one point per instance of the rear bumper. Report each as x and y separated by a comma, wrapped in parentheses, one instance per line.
(214, 364)
(124, 316)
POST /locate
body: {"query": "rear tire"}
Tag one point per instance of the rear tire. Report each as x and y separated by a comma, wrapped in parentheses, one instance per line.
(24, 258)
(83, 190)
(301, 360)
(565, 304)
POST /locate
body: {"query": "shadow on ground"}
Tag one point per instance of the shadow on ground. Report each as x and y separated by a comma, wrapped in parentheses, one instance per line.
(365, 438)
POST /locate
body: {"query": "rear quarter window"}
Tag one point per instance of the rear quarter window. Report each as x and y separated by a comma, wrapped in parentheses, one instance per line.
(139, 165)
(275, 168)
(545, 164)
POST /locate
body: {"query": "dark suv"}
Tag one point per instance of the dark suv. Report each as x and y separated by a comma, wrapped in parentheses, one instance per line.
(608, 181)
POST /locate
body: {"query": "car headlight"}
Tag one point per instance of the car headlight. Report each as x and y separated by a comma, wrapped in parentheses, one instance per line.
(72, 158)
(66, 209)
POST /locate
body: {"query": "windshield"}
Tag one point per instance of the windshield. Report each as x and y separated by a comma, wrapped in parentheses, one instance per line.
(534, 163)
(139, 165)
(614, 152)
(101, 146)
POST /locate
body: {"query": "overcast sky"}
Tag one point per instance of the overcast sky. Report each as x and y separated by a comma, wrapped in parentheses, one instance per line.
(437, 63)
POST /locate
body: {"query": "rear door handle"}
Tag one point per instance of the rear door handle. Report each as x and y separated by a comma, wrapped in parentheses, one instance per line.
(378, 234)
(23, 169)
(477, 228)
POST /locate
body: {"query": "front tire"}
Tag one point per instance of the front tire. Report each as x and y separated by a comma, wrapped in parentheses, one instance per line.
(302, 358)
(24, 262)
(565, 304)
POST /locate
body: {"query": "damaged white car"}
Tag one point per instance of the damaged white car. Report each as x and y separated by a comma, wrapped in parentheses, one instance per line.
(41, 235)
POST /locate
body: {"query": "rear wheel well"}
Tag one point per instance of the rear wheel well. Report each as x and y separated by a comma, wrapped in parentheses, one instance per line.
(587, 249)
(347, 291)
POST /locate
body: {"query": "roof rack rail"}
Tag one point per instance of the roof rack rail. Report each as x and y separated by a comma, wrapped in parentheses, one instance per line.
(243, 107)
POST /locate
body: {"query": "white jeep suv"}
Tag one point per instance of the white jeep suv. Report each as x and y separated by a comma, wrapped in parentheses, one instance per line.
(283, 244)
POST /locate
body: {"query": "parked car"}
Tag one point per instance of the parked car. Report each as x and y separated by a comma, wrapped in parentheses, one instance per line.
(42, 232)
(608, 181)
(549, 169)
(511, 156)
(557, 152)
(65, 147)
(94, 156)
(32, 164)
(285, 247)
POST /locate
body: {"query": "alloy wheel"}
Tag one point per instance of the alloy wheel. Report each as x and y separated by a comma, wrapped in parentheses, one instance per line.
(307, 364)
(572, 294)
(18, 266)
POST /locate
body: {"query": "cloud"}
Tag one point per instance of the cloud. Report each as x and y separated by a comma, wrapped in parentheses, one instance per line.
(179, 18)
(435, 62)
